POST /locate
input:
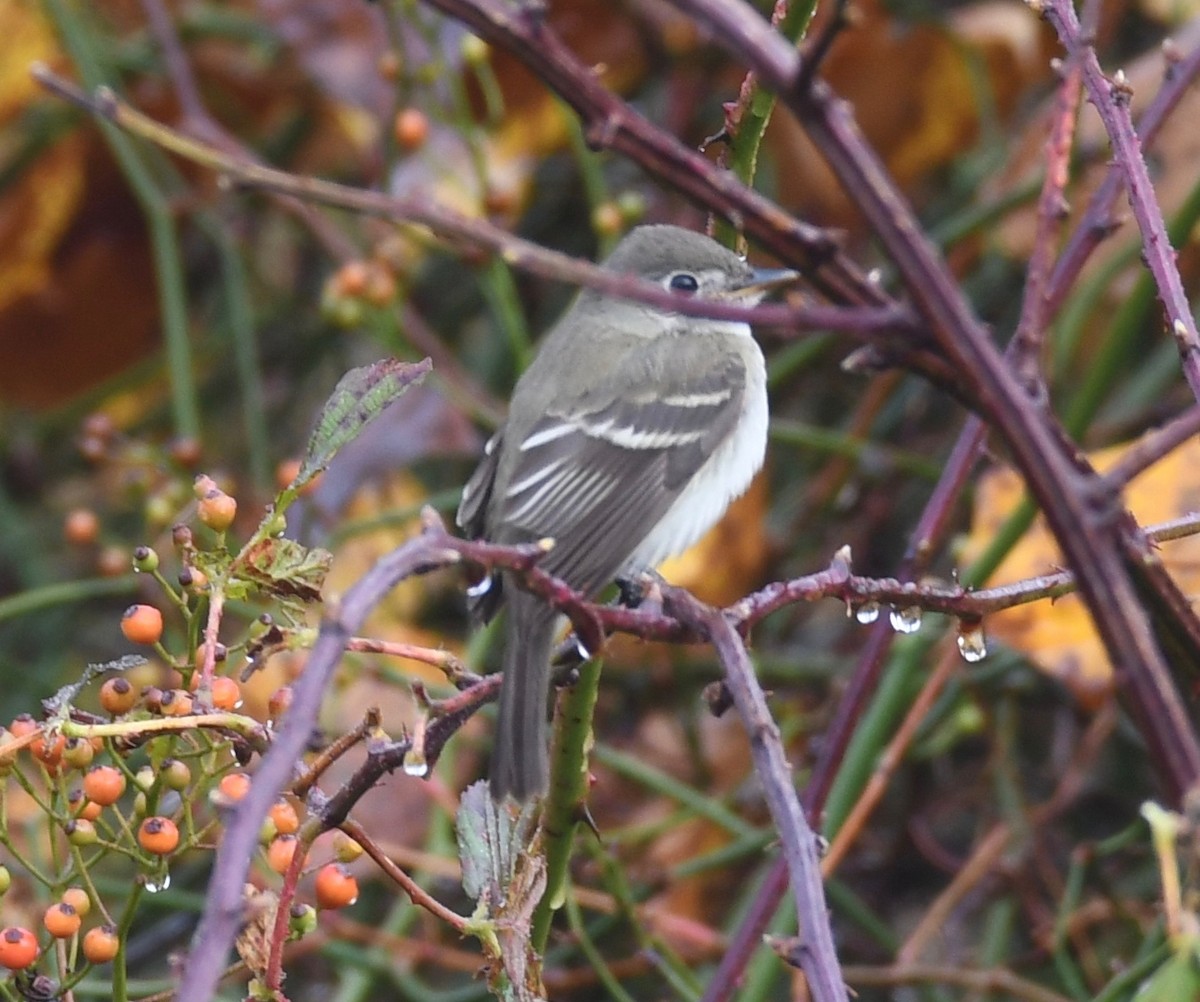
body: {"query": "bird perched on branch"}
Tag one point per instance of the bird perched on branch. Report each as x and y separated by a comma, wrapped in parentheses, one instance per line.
(627, 438)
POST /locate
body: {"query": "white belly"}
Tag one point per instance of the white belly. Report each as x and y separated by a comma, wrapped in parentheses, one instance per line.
(724, 477)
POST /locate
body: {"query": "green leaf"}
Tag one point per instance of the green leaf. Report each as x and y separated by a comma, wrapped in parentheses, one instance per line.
(504, 871)
(1178, 978)
(360, 396)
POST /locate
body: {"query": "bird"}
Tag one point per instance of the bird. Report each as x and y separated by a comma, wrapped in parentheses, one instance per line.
(627, 437)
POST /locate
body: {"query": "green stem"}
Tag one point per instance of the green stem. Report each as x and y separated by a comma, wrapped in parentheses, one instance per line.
(168, 264)
(65, 593)
(568, 794)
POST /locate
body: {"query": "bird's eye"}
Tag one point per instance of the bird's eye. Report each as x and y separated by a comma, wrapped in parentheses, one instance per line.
(683, 281)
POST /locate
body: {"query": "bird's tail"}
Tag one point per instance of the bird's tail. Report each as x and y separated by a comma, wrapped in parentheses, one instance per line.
(520, 763)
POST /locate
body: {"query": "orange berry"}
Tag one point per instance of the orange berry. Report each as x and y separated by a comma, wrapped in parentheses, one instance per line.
(81, 527)
(287, 821)
(606, 219)
(142, 624)
(220, 653)
(217, 509)
(286, 472)
(112, 562)
(117, 696)
(410, 128)
(81, 807)
(281, 851)
(158, 835)
(104, 784)
(226, 693)
(18, 948)
(233, 787)
(176, 703)
(335, 886)
(78, 899)
(49, 749)
(100, 945)
(22, 725)
(186, 451)
(349, 281)
(381, 286)
(61, 920)
(280, 701)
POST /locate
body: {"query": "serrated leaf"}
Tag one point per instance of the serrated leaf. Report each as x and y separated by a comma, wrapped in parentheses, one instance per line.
(492, 838)
(285, 568)
(360, 396)
(505, 872)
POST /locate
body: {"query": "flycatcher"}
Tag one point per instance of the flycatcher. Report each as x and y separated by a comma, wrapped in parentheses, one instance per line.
(627, 438)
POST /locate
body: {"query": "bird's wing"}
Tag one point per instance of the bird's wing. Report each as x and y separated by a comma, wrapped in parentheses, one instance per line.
(471, 516)
(599, 477)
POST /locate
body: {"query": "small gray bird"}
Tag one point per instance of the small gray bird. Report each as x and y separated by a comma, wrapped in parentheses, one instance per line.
(627, 438)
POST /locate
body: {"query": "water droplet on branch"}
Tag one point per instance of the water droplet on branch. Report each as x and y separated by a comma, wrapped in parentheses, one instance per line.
(906, 620)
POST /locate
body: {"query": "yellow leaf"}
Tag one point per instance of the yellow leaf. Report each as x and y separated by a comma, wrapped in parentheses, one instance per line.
(1060, 637)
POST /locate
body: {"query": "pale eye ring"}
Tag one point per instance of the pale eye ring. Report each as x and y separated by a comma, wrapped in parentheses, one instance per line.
(683, 281)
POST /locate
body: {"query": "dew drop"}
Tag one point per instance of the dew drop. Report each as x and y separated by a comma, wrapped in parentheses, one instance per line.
(906, 620)
(480, 588)
(158, 883)
(415, 765)
(972, 644)
(867, 613)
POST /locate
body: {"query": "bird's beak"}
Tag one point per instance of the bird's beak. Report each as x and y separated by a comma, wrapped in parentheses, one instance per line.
(763, 281)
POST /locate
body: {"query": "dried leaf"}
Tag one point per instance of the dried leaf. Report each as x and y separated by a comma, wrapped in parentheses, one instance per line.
(285, 568)
(1059, 636)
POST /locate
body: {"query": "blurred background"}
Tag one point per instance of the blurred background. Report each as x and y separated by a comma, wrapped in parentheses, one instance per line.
(156, 323)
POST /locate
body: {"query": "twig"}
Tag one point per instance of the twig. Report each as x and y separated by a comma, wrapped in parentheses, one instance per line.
(1098, 221)
(1111, 99)
(415, 891)
(1026, 348)
(1152, 447)
(993, 980)
(880, 318)
(818, 958)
